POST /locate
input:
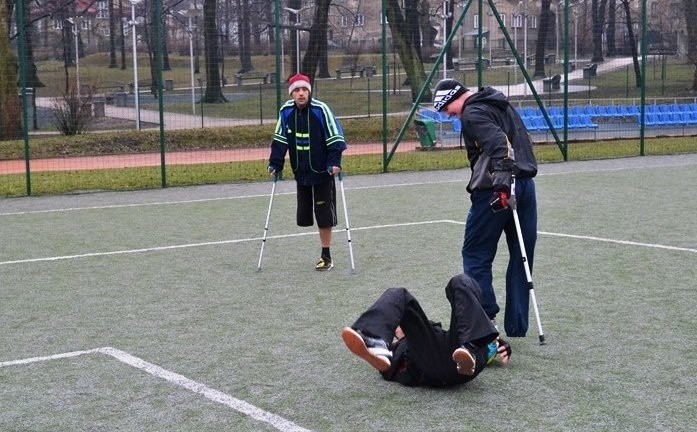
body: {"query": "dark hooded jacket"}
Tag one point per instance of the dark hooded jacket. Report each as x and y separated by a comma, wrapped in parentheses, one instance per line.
(498, 144)
(313, 137)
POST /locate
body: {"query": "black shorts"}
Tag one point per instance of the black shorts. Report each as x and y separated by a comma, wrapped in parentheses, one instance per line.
(322, 199)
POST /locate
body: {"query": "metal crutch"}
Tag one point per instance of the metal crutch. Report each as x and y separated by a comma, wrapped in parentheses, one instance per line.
(268, 216)
(528, 275)
(348, 228)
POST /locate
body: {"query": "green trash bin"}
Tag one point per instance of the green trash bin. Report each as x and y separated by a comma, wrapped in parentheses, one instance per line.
(426, 131)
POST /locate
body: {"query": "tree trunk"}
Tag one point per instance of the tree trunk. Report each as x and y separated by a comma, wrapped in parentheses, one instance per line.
(244, 36)
(317, 41)
(112, 35)
(632, 42)
(404, 35)
(691, 20)
(598, 15)
(545, 20)
(610, 33)
(214, 92)
(10, 109)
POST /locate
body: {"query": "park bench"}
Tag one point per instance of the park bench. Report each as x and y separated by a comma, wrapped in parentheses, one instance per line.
(552, 83)
(261, 77)
(145, 83)
(590, 70)
(108, 89)
(361, 71)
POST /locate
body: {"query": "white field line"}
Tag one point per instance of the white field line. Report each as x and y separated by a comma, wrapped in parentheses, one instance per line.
(338, 230)
(265, 195)
(179, 380)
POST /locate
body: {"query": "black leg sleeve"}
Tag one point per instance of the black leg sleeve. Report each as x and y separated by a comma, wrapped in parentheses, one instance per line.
(468, 321)
(382, 318)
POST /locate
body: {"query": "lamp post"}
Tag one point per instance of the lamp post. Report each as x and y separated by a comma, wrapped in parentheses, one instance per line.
(524, 3)
(296, 12)
(190, 14)
(133, 24)
(491, 38)
(445, 17)
(73, 24)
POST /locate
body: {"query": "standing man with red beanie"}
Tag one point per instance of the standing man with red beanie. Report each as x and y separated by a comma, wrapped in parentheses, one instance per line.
(499, 147)
(308, 130)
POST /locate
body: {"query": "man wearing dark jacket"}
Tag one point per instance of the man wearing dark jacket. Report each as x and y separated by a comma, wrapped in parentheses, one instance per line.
(307, 129)
(396, 337)
(499, 149)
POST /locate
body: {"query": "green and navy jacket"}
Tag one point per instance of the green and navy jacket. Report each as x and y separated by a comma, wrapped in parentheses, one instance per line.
(313, 137)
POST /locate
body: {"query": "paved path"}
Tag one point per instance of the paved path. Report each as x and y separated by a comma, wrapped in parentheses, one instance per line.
(188, 121)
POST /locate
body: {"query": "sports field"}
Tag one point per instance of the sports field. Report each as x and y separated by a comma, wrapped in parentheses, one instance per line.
(143, 311)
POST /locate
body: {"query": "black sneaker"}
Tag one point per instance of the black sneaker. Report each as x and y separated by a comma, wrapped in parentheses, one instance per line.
(466, 360)
(324, 264)
(372, 350)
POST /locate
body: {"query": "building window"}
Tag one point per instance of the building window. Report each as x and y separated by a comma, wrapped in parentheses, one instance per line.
(102, 10)
(85, 24)
(344, 21)
(359, 20)
(532, 21)
(58, 24)
(503, 19)
(517, 21)
(475, 24)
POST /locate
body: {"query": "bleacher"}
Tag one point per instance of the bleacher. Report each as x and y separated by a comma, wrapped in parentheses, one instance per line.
(589, 116)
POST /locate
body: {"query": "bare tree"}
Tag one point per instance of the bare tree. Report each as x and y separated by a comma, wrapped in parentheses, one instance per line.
(214, 91)
(317, 41)
(691, 23)
(404, 26)
(598, 16)
(632, 41)
(543, 31)
(610, 33)
(10, 125)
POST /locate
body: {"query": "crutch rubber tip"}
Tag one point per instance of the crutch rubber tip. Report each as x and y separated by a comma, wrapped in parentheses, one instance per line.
(542, 340)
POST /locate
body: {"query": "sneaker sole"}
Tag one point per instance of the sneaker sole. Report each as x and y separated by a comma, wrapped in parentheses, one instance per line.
(324, 268)
(465, 362)
(354, 342)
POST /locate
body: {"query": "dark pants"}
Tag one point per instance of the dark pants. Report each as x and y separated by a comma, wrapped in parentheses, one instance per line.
(482, 233)
(319, 199)
(428, 350)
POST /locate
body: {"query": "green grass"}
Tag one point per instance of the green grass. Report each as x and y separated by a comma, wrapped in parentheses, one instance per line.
(43, 183)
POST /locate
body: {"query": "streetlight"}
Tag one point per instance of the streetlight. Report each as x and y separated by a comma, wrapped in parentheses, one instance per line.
(191, 13)
(491, 38)
(73, 24)
(296, 12)
(445, 16)
(133, 24)
(524, 3)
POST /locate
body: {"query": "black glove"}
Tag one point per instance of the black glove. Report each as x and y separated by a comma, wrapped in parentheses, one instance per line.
(499, 201)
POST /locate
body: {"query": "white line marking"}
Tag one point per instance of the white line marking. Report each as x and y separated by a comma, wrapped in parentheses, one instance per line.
(622, 242)
(459, 180)
(338, 230)
(179, 380)
(46, 358)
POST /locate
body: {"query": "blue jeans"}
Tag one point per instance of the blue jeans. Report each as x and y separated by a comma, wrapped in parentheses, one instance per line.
(482, 233)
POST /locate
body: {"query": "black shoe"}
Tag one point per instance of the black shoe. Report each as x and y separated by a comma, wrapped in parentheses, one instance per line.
(466, 359)
(372, 350)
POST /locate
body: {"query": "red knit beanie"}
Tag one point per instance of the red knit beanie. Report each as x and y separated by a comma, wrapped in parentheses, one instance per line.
(297, 81)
